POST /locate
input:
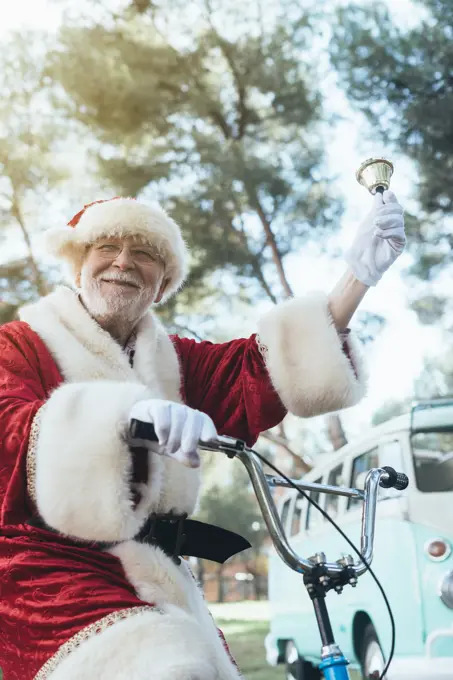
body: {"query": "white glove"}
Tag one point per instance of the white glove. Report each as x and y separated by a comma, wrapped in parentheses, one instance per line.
(379, 241)
(178, 429)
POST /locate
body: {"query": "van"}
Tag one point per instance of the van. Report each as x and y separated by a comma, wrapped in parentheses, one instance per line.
(412, 555)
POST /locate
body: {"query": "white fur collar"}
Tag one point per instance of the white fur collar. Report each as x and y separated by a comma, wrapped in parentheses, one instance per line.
(84, 351)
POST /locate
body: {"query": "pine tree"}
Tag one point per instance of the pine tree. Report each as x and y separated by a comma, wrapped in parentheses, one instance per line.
(29, 135)
(224, 131)
(16, 288)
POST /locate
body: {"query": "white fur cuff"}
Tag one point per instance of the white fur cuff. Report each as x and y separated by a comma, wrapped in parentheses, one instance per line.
(158, 580)
(305, 358)
(83, 464)
(165, 645)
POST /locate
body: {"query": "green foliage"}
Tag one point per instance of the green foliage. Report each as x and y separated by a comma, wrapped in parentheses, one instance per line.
(436, 377)
(220, 503)
(403, 81)
(28, 128)
(223, 129)
(368, 326)
(16, 288)
(30, 135)
(429, 308)
(246, 642)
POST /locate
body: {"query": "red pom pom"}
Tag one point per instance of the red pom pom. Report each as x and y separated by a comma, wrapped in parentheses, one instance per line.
(76, 219)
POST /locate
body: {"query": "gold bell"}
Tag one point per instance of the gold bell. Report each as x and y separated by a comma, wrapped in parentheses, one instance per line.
(375, 174)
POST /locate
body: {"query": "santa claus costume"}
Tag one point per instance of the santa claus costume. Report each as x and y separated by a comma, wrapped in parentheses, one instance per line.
(83, 598)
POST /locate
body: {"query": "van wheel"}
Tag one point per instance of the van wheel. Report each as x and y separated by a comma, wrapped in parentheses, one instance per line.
(296, 667)
(372, 659)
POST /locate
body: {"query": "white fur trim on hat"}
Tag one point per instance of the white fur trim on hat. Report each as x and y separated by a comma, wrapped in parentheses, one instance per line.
(123, 217)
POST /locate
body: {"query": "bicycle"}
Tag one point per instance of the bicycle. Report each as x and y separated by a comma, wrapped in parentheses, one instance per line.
(319, 575)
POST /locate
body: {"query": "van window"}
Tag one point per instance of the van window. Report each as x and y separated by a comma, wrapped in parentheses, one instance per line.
(297, 514)
(360, 467)
(433, 461)
(313, 515)
(335, 478)
(285, 511)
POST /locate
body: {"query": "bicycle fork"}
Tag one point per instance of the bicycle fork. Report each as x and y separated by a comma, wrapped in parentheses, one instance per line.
(334, 665)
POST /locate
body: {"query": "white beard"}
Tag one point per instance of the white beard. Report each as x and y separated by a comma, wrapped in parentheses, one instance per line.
(114, 304)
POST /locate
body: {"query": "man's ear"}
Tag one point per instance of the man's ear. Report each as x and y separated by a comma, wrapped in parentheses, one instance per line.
(161, 291)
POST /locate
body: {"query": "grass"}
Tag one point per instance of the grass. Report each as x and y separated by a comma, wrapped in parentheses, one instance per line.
(246, 642)
(245, 625)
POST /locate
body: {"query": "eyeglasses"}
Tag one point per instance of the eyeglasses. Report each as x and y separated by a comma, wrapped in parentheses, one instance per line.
(139, 253)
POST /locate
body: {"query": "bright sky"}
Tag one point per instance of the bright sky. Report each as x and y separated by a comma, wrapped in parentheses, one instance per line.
(397, 355)
(32, 14)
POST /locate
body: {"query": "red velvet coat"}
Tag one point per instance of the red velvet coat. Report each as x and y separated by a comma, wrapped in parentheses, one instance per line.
(65, 395)
(50, 587)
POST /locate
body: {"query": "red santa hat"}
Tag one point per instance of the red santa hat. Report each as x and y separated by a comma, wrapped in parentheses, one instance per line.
(122, 217)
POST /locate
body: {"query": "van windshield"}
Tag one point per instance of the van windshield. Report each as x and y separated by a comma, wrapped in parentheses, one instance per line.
(433, 461)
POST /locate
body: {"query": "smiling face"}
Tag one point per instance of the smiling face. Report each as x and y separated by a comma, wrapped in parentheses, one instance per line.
(121, 277)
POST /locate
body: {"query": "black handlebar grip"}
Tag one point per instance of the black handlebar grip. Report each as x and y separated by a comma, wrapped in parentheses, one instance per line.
(140, 430)
(402, 481)
(396, 480)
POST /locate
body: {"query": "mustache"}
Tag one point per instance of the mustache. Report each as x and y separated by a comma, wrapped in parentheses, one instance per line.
(122, 277)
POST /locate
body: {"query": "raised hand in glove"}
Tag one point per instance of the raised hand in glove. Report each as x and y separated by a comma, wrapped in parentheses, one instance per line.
(379, 241)
(178, 429)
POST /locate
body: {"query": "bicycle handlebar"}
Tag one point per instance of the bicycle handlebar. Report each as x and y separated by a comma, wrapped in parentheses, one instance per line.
(396, 480)
(375, 478)
(385, 477)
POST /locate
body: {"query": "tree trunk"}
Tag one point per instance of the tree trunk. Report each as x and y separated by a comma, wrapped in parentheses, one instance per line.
(256, 584)
(277, 258)
(334, 426)
(336, 432)
(256, 265)
(270, 238)
(220, 584)
(335, 429)
(200, 572)
(252, 568)
(300, 466)
(38, 279)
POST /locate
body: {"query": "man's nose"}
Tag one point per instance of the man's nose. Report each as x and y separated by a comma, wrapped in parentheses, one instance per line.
(124, 260)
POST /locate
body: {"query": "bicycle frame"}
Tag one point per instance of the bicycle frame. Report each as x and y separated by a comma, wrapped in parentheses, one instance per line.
(319, 575)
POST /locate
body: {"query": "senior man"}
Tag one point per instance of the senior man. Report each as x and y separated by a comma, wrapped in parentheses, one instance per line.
(82, 595)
